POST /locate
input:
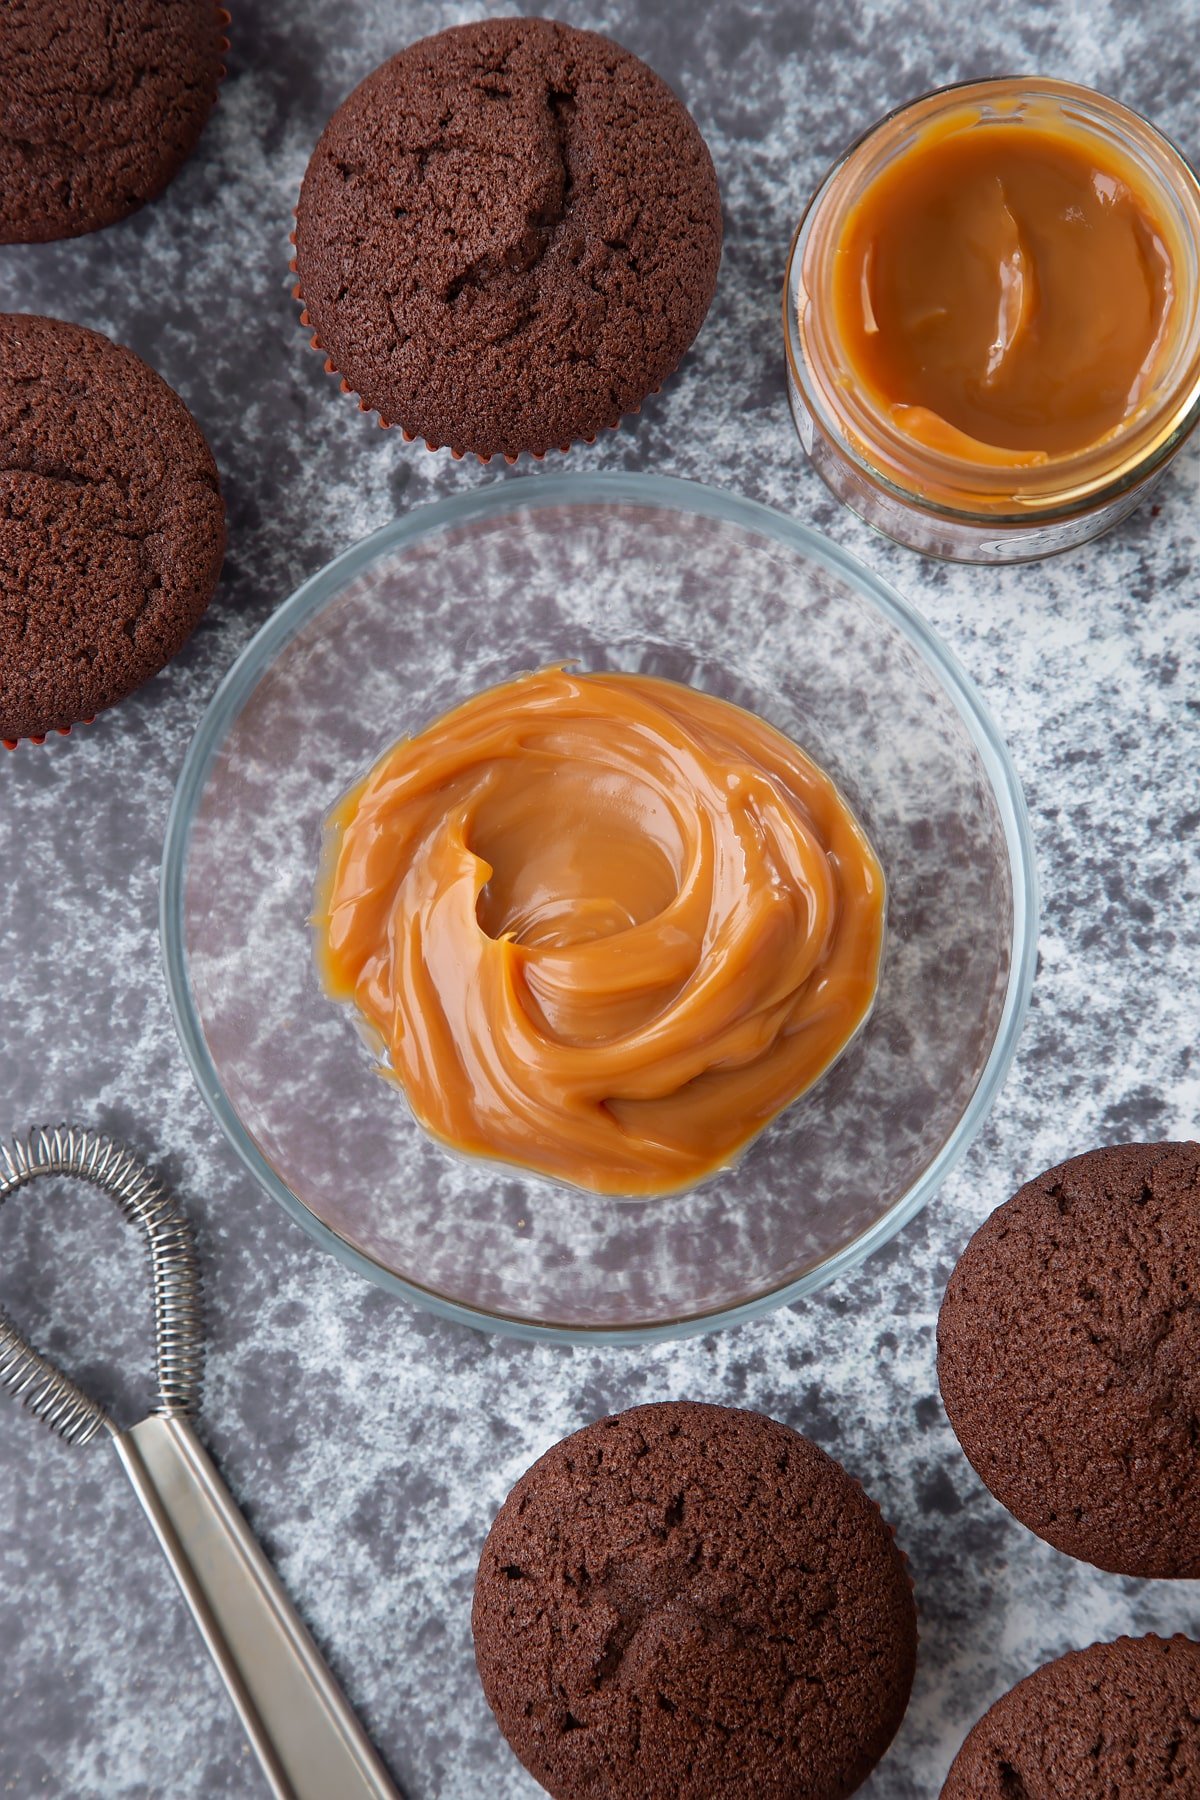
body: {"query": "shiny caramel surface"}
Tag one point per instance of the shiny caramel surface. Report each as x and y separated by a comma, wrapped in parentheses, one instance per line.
(600, 925)
(1002, 291)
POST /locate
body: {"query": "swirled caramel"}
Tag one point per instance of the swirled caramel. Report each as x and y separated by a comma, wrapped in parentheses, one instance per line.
(602, 926)
(1003, 290)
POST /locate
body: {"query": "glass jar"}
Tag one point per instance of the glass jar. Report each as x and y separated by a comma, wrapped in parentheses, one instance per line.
(947, 505)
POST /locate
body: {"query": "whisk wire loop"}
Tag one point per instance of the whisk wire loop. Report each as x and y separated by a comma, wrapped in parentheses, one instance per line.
(178, 1322)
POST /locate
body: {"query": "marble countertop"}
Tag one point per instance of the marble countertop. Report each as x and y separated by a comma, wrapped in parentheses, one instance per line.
(369, 1444)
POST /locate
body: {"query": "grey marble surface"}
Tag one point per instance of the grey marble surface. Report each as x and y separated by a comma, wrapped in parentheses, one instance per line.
(368, 1444)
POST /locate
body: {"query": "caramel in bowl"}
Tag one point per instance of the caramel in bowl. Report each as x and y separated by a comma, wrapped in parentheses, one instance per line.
(603, 926)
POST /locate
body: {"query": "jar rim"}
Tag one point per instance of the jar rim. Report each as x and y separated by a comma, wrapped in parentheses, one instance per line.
(1068, 484)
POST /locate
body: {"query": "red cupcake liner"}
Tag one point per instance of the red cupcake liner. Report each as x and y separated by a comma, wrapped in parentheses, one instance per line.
(40, 737)
(410, 437)
(224, 20)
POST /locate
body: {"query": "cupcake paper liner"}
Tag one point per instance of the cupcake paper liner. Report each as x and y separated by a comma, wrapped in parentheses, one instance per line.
(40, 737)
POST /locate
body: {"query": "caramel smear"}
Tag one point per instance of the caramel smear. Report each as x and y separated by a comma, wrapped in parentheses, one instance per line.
(602, 926)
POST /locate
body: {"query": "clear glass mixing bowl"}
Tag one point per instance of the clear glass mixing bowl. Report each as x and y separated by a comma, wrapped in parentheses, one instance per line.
(613, 571)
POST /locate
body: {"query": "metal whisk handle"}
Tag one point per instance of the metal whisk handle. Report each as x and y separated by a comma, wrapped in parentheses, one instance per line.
(307, 1739)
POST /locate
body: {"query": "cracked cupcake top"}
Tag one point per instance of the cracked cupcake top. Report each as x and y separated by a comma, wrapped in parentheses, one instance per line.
(508, 236)
(1069, 1357)
(100, 106)
(1119, 1720)
(112, 527)
(684, 1600)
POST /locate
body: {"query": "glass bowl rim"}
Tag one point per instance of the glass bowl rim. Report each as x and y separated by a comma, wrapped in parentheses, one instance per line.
(612, 488)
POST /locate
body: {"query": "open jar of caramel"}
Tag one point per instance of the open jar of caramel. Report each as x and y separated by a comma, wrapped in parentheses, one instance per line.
(992, 319)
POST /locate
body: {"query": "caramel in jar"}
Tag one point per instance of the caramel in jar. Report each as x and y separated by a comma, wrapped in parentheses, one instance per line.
(602, 926)
(1003, 292)
(992, 318)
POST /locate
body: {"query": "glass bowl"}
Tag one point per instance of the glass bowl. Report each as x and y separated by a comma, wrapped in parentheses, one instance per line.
(615, 571)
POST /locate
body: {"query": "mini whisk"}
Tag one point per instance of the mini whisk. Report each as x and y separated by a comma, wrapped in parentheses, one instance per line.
(308, 1741)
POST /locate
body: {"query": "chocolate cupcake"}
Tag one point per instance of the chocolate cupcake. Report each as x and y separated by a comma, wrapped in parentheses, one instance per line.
(101, 104)
(685, 1601)
(507, 237)
(1120, 1719)
(112, 527)
(1069, 1357)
